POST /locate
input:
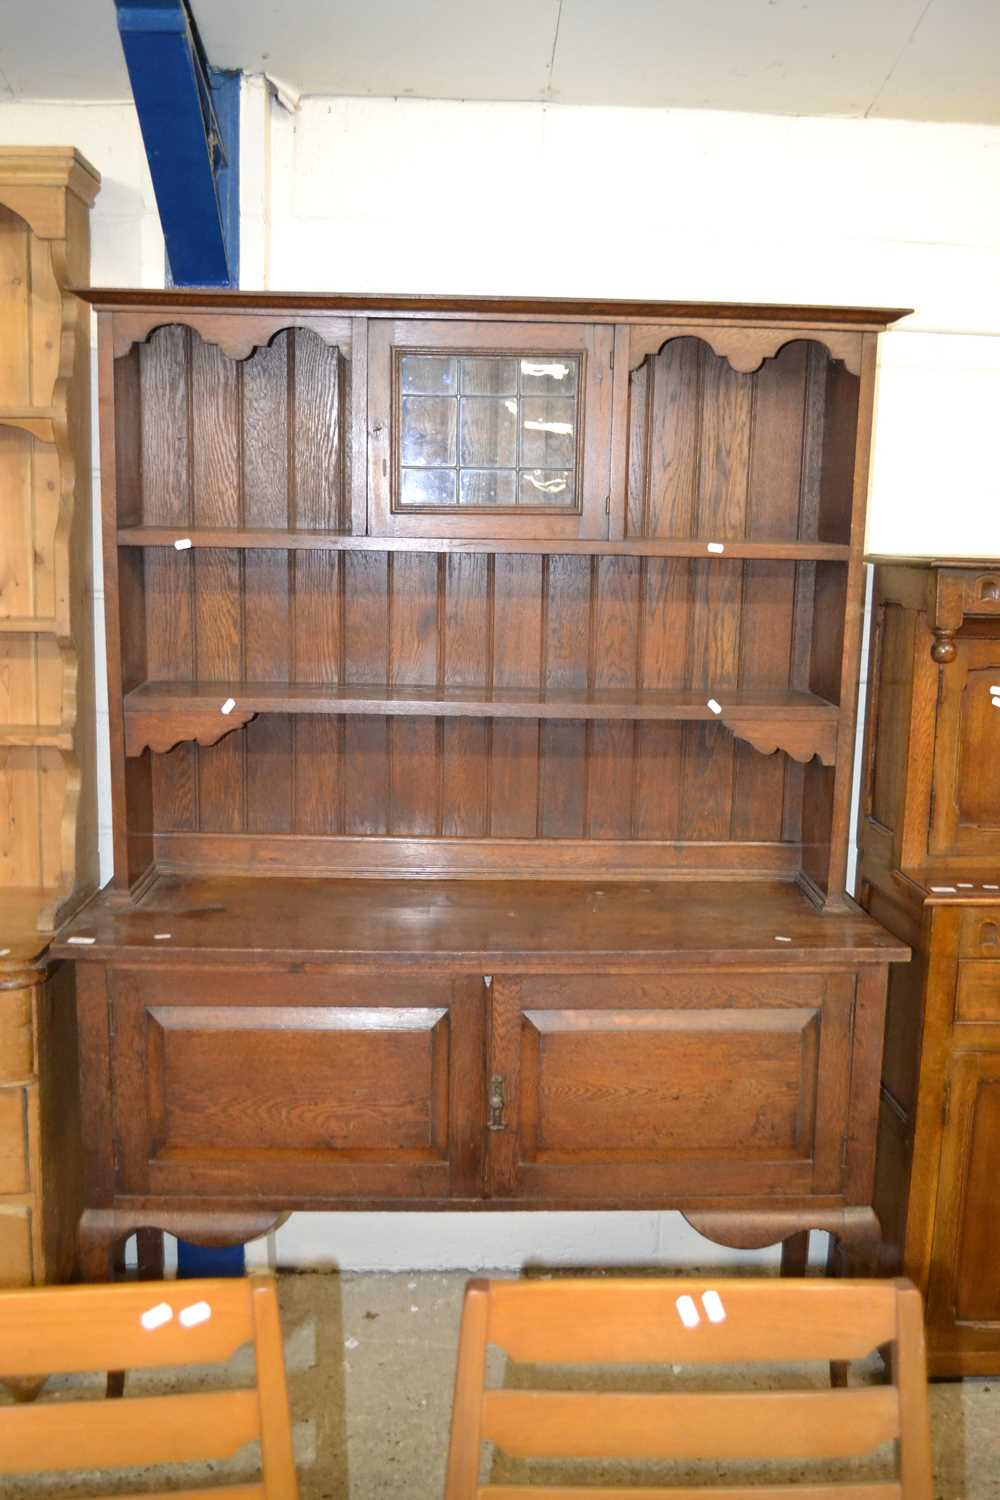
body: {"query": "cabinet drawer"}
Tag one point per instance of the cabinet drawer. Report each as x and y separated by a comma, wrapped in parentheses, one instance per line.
(978, 996)
(980, 933)
(298, 1084)
(982, 592)
(688, 1086)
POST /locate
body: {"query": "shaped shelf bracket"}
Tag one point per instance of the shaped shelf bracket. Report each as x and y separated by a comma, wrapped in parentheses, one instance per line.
(799, 738)
(146, 731)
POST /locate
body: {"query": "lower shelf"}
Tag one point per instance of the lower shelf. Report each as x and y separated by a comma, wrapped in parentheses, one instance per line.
(159, 715)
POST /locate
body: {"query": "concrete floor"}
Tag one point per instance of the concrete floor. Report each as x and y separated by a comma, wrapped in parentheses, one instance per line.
(371, 1363)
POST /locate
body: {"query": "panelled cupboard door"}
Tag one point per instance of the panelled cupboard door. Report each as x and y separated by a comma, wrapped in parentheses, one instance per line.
(965, 816)
(685, 1087)
(963, 1294)
(296, 1085)
(489, 429)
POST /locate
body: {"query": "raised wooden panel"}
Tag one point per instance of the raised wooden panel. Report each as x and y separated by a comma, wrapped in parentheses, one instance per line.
(274, 1082)
(29, 308)
(966, 808)
(694, 1086)
(963, 1296)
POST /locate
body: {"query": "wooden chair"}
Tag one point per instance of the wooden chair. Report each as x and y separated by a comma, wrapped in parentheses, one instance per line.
(635, 1321)
(146, 1325)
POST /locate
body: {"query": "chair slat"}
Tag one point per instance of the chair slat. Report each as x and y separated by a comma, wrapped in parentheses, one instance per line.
(117, 1434)
(216, 1492)
(889, 1490)
(79, 1328)
(636, 1321)
(768, 1424)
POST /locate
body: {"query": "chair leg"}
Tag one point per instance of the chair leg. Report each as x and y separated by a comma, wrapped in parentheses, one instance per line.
(795, 1254)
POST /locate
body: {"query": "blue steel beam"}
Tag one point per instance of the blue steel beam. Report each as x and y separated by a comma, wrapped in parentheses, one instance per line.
(189, 115)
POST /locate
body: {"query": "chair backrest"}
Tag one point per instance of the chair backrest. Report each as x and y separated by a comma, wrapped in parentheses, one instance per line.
(628, 1321)
(146, 1325)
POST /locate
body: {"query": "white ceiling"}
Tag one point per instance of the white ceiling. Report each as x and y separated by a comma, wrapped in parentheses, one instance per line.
(909, 59)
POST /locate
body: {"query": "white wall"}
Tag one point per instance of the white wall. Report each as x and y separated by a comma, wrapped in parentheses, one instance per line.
(383, 195)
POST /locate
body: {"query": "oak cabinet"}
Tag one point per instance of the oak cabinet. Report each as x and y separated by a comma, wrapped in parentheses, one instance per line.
(930, 872)
(482, 683)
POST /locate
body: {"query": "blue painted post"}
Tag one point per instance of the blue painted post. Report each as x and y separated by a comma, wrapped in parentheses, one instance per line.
(189, 116)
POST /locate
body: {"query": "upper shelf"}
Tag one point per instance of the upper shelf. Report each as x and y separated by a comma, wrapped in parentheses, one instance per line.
(159, 715)
(331, 541)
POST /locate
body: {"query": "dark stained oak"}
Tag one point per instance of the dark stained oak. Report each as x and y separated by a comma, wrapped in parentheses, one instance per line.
(514, 873)
(476, 922)
(930, 872)
(333, 541)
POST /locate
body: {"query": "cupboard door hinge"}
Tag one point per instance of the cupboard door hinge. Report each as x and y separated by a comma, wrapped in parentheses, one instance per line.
(946, 1105)
(607, 506)
(498, 1103)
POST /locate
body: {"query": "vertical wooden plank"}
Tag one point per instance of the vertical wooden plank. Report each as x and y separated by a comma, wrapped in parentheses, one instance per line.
(316, 433)
(164, 364)
(517, 655)
(267, 594)
(614, 663)
(563, 742)
(714, 654)
(664, 621)
(217, 572)
(674, 441)
(467, 648)
(773, 511)
(765, 662)
(317, 621)
(727, 403)
(15, 290)
(414, 645)
(365, 660)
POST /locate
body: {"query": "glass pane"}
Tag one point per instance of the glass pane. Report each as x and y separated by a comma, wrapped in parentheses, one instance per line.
(428, 375)
(489, 431)
(549, 377)
(489, 377)
(548, 432)
(428, 430)
(488, 487)
(547, 487)
(428, 487)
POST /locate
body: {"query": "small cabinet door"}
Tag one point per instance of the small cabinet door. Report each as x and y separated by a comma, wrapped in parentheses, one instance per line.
(704, 1085)
(965, 818)
(963, 1293)
(489, 429)
(297, 1085)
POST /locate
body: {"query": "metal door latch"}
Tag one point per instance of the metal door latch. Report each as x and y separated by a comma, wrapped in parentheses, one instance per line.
(498, 1102)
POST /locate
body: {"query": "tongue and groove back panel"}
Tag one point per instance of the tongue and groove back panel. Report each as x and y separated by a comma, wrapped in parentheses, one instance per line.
(205, 440)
